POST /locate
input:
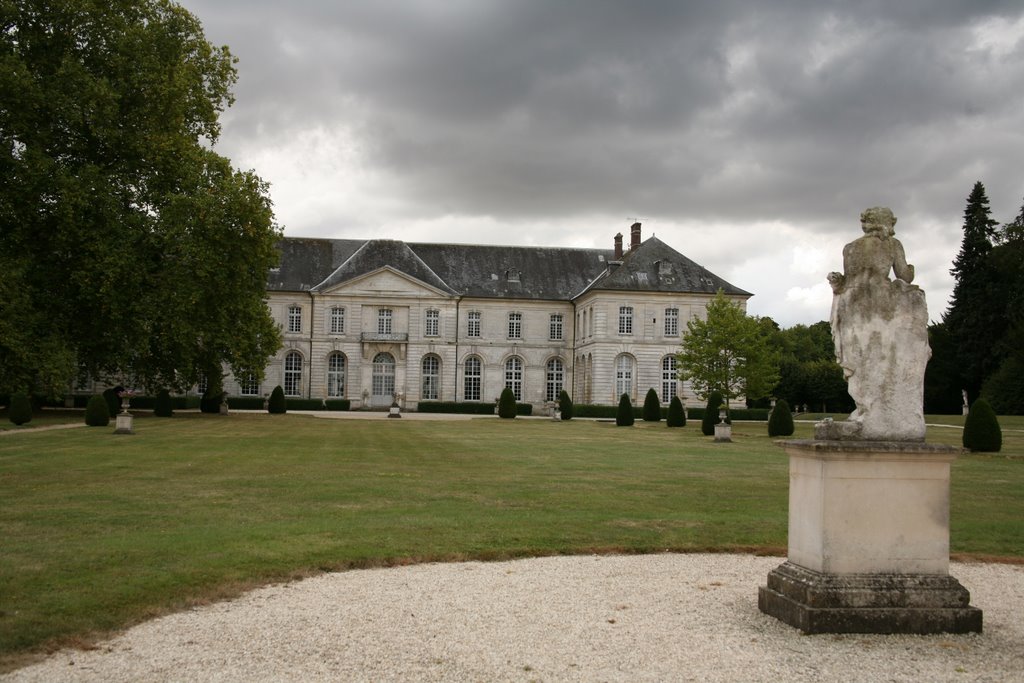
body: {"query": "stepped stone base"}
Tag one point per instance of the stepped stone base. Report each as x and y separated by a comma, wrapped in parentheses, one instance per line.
(816, 602)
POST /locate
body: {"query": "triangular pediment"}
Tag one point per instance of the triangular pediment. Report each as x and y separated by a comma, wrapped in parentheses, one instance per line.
(377, 255)
(385, 281)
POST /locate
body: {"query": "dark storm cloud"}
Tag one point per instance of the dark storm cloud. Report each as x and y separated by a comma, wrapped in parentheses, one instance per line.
(541, 108)
(797, 112)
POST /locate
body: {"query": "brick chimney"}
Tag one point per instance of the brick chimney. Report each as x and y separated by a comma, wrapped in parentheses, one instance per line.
(618, 247)
(634, 236)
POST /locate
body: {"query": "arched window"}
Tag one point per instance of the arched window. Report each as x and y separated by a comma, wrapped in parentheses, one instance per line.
(514, 376)
(669, 378)
(383, 381)
(292, 373)
(556, 375)
(472, 376)
(431, 378)
(624, 365)
(336, 375)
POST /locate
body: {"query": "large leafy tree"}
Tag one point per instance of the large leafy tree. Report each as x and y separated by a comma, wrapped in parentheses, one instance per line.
(129, 248)
(975, 316)
(728, 352)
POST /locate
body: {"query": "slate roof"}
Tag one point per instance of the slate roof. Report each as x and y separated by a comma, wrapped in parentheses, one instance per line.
(485, 271)
(656, 267)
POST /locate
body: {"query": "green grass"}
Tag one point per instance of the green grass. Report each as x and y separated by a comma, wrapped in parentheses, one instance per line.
(100, 531)
(45, 418)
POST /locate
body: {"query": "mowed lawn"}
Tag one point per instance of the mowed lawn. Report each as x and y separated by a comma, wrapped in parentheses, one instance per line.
(99, 531)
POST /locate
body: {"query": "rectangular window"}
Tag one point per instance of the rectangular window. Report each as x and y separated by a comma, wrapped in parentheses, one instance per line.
(473, 324)
(249, 385)
(384, 321)
(515, 325)
(671, 322)
(295, 318)
(556, 326)
(337, 320)
(625, 320)
(432, 327)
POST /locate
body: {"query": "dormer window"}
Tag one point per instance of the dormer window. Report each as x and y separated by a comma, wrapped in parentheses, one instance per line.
(512, 275)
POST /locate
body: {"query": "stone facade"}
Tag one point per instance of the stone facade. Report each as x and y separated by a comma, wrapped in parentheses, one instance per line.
(377, 319)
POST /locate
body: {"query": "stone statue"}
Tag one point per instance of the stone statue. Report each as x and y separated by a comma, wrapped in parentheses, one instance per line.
(880, 330)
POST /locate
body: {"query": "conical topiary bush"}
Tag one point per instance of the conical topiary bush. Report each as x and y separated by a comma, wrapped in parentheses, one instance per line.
(981, 429)
(97, 414)
(507, 404)
(565, 405)
(676, 414)
(277, 405)
(624, 417)
(652, 406)
(780, 422)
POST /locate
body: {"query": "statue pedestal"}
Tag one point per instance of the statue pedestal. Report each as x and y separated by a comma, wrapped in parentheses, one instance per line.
(124, 423)
(868, 541)
(723, 432)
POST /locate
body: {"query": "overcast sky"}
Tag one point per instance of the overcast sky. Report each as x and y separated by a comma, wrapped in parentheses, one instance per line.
(747, 135)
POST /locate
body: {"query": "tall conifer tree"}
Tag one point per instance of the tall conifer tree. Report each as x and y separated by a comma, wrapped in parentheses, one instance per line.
(975, 316)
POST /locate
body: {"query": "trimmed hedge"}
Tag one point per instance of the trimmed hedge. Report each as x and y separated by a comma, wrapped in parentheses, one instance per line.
(676, 415)
(246, 402)
(507, 404)
(277, 405)
(147, 402)
(565, 405)
(467, 408)
(780, 423)
(96, 412)
(305, 404)
(624, 416)
(981, 429)
(163, 406)
(652, 406)
(338, 404)
(19, 410)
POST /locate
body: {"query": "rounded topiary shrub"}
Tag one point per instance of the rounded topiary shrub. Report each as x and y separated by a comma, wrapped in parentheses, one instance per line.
(97, 412)
(676, 414)
(652, 406)
(20, 410)
(707, 424)
(981, 428)
(162, 406)
(277, 405)
(507, 404)
(565, 405)
(624, 415)
(780, 422)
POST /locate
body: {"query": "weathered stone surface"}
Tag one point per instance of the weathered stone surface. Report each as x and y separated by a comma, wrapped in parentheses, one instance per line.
(818, 602)
(880, 330)
(863, 506)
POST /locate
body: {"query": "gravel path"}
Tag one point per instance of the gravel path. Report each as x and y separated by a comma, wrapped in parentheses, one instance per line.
(590, 618)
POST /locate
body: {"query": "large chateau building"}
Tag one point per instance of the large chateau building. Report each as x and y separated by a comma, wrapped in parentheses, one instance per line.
(377, 320)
